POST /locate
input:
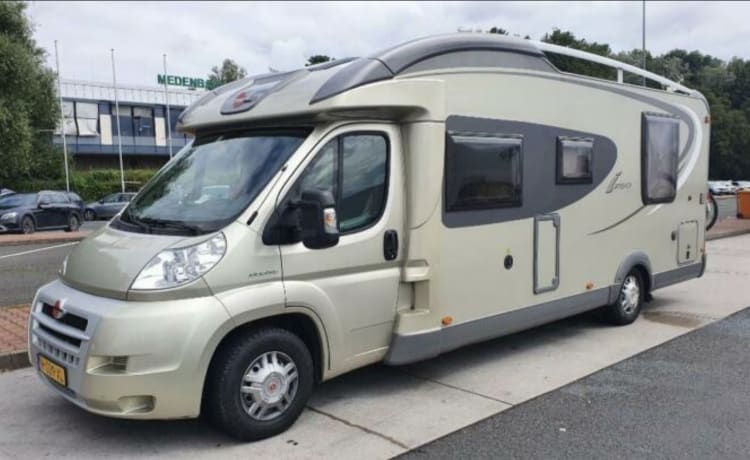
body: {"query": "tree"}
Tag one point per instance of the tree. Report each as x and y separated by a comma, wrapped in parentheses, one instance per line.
(497, 30)
(574, 65)
(318, 59)
(28, 104)
(228, 72)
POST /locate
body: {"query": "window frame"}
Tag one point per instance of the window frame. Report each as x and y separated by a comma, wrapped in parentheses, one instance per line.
(449, 162)
(645, 198)
(339, 138)
(560, 177)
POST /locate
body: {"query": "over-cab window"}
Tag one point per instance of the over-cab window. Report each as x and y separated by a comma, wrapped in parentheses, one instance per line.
(574, 157)
(354, 168)
(482, 171)
(659, 156)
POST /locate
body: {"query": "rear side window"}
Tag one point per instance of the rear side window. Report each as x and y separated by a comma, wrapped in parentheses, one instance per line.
(574, 157)
(660, 138)
(482, 171)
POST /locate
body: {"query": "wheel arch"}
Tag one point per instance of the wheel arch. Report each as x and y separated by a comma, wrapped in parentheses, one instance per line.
(638, 260)
(296, 320)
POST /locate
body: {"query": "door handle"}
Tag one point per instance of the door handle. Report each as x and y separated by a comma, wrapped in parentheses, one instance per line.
(390, 244)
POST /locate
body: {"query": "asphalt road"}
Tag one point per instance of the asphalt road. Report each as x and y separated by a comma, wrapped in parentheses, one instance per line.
(685, 399)
(23, 269)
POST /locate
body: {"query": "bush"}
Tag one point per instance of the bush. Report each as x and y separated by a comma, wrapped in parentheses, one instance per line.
(92, 185)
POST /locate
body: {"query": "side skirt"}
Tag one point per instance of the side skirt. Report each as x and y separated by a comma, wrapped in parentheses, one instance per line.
(409, 348)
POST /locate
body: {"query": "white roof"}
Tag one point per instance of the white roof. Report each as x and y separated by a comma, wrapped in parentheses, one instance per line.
(79, 89)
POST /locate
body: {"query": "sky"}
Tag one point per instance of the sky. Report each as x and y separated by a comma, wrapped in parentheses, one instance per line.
(197, 36)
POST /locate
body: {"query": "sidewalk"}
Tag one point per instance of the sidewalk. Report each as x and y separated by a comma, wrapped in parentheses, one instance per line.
(42, 237)
(730, 226)
(13, 320)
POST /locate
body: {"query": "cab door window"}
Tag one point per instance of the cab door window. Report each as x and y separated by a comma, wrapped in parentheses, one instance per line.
(354, 168)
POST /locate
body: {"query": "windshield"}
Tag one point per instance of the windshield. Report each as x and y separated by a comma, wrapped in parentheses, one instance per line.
(209, 184)
(17, 200)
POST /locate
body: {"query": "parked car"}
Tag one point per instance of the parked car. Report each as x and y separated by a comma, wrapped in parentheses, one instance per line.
(741, 184)
(721, 187)
(107, 207)
(47, 210)
(6, 191)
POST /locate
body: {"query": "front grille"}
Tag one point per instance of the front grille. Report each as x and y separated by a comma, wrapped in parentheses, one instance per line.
(59, 335)
(56, 353)
(69, 319)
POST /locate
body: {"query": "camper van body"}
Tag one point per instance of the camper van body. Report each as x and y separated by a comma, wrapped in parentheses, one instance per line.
(507, 194)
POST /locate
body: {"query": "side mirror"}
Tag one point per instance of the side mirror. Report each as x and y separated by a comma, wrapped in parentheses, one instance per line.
(317, 219)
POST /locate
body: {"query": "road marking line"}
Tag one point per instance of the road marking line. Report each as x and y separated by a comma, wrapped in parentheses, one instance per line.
(32, 251)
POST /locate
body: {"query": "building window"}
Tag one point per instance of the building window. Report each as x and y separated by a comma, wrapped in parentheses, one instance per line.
(69, 120)
(126, 121)
(660, 144)
(143, 121)
(87, 118)
(482, 171)
(574, 157)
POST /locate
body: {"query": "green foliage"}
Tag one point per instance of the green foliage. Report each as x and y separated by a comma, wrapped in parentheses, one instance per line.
(579, 66)
(28, 105)
(318, 59)
(228, 72)
(92, 185)
(497, 30)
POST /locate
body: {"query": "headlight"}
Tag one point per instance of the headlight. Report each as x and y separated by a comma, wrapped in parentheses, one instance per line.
(174, 267)
(8, 217)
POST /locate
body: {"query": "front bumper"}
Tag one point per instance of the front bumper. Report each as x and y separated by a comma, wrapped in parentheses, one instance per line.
(126, 359)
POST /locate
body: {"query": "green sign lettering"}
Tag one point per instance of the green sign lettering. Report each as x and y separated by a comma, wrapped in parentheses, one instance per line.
(181, 80)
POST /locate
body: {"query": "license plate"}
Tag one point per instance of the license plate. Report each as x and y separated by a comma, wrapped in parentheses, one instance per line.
(53, 370)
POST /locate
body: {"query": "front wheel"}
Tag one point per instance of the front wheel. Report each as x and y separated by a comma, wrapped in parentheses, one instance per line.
(27, 225)
(259, 383)
(627, 306)
(74, 223)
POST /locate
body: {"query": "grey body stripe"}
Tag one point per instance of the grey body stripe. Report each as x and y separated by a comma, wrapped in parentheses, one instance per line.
(406, 349)
(619, 221)
(677, 275)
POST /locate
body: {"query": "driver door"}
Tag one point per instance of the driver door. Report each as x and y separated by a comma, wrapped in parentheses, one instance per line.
(358, 278)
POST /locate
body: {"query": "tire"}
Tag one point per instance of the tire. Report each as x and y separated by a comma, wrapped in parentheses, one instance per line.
(629, 302)
(74, 222)
(89, 214)
(27, 225)
(259, 358)
(712, 212)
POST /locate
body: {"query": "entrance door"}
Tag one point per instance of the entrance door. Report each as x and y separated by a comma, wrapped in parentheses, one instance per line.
(546, 253)
(359, 277)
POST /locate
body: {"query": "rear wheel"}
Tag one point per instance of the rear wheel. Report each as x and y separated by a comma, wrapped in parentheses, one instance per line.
(27, 225)
(259, 383)
(712, 212)
(74, 222)
(627, 306)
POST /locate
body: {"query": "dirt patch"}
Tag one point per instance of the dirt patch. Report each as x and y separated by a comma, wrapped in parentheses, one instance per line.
(674, 319)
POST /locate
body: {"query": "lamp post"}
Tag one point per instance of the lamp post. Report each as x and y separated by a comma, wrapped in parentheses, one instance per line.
(62, 120)
(117, 115)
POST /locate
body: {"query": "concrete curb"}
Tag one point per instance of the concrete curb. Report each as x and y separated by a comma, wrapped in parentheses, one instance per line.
(728, 234)
(14, 360)
(44, 240)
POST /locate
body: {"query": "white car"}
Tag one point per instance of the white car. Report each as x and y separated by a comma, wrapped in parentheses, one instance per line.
(719, 187)
(741, 185)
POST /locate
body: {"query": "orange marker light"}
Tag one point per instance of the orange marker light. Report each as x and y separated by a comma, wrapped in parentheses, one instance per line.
(589, 286)
(447, 320)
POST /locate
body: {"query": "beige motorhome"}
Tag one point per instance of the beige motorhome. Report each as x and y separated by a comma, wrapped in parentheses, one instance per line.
(389, 208)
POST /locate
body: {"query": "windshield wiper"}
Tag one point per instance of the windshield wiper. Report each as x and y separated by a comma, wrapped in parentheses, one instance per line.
(174, 224)
(133, 221)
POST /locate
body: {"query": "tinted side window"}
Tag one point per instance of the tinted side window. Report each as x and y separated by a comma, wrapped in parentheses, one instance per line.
(660, 137)
(574, 157)
(58, 198)
(354, 168)
(482, 172)
(363, 180)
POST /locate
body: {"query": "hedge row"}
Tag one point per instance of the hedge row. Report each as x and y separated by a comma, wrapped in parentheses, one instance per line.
(93, 185)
